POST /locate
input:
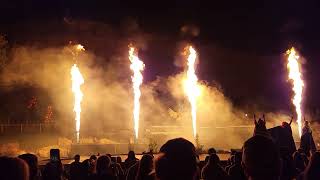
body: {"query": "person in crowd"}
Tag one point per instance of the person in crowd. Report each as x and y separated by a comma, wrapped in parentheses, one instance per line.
(304, 156)
(235, 171)
(307, 143)
(93, 157)
(89, 167)
(132, 171)
(210, 151)
(92, 164)
(300, 161)
(260, 127)
(116, 167)
(119, 160)
(312, 171)
(13, 169)
(177, 161)
(288, 169)
(261, 159)
(85, 165)
(212, 170)
(53, 170)
(145, 168)
(231, 162)
(288, 141)
(287, 126)
(76, 169)
(131, 160)
(103, 169)
(282, 136)
(32, 162)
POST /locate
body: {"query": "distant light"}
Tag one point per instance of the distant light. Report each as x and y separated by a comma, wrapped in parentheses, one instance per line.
(246, 115)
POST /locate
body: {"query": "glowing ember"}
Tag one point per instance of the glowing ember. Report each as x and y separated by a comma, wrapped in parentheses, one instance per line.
(295, 76)
(191, 87)
(136, 66)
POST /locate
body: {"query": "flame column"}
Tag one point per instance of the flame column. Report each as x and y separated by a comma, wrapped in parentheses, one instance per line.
(191, 87)
(297, 82)
(77, 81)
(137, 66)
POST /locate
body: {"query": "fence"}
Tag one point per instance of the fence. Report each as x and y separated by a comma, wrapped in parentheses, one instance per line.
(26, 128)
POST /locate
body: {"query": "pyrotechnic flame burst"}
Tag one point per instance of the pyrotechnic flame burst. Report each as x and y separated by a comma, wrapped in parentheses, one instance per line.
(191, 87)
(77, 81)
(297, 82)
(136, 66)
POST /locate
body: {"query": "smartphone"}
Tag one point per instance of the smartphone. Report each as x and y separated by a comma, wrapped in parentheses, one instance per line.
(54, 155)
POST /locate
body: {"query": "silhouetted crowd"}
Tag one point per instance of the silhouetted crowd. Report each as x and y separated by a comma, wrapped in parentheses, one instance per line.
(261, 158)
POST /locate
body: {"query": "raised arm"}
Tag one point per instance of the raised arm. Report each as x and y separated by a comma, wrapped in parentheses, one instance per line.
(291, 120)
(254, 119)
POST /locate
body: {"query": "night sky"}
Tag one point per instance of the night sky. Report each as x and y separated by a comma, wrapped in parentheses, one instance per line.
(241, 44)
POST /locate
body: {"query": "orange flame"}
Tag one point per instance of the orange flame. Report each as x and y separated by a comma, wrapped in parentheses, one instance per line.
(77, 81)
(136, 66)
(295, 75)
(191, 87)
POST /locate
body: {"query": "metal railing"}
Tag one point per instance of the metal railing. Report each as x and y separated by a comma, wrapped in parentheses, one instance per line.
(23, 127)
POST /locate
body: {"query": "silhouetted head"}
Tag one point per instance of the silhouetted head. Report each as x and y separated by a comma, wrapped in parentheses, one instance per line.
(285, 124)
(119, 160)
(213, 160)
(306, 128)
(146, 161)
(313, 169)
(93, 158)
(77, 158)
(103, 164)
(261, 158)
(32, 162)
(212, 151)
(145, 166)
(131, 155)
(260, 124)
(287, 127)
(13, 168)
(177, 160)
(306, 123)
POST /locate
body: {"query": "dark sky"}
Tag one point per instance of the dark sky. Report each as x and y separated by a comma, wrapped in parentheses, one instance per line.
(241, 43)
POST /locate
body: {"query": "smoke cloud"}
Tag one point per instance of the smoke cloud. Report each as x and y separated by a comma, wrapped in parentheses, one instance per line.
(108, 100)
